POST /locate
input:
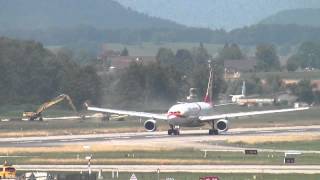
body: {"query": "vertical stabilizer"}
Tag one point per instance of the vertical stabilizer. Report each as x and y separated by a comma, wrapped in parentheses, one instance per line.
(208, 96)
(243, 91)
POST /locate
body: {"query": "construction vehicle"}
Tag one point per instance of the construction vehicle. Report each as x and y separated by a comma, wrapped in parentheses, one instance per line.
(7, 171)
(38, 114)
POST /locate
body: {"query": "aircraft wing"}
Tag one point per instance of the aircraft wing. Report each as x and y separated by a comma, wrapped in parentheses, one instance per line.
(252, 113)
(129, 113)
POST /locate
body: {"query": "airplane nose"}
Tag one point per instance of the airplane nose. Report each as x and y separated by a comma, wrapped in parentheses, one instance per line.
(175, 115)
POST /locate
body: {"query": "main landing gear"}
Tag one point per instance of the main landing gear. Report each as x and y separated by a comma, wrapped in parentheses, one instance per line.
(173, 130)
(213, 131)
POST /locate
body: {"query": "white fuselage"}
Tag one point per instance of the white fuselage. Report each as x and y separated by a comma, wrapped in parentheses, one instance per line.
(187, 114)
(235, 98)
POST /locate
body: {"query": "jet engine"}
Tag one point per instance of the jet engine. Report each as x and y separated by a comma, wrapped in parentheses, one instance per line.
(222, 125)
(150, 125)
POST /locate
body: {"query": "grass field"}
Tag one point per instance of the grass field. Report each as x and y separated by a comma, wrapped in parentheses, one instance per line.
(153, 155)
(151, 49)
(132, 124)
(313, 145)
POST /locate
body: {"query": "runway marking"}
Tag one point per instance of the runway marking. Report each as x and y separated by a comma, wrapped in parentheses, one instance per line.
(296, 130)
(25, 142)
(149, 136)
(70, 140)
(266, 131)
(125, 137)
(108, 138)
(235, 132)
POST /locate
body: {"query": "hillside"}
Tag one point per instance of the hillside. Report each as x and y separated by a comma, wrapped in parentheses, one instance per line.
(228, 14)
(305, 17)
(101, 14)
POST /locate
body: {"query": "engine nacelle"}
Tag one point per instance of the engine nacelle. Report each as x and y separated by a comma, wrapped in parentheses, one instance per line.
(150, 125)
(222, 125)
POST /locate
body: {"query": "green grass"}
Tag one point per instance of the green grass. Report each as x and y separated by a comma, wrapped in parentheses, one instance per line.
(186, 156)
(132, 124)
(151, 49)
(10, 111)
(300, 145)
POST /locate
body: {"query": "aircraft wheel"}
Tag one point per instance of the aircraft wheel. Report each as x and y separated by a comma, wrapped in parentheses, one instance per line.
(215, 132)
(176, 132)
(210, 131)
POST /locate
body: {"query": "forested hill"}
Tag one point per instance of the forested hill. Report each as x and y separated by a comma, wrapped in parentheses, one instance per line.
(308, 17)
(227, 14)
(101, 14)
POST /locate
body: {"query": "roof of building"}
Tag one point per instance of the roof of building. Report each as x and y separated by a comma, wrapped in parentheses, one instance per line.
(121, 62)
(240, 64)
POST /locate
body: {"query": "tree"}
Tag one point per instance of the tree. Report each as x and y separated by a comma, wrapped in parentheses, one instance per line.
(184, 61)
(124, 52)
(141, 84)
(165, 57)
(32, 74)
(267, 57)
(273, 84)
(304, 91)
(292, 64)
(230, 52)
(308, 55)
(200, 55)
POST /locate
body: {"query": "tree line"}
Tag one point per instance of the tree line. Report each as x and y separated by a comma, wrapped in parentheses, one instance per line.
(31, 74)
(256, 34)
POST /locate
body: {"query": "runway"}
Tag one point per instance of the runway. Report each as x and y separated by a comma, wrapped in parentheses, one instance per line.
(188, 135)
(273, 169)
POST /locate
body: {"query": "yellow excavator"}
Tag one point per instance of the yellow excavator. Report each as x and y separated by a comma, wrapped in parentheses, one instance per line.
(38, 116)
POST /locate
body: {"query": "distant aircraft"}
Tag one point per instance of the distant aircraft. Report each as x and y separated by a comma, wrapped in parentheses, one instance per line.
(243, 100)
(235, 98)
(192, 114)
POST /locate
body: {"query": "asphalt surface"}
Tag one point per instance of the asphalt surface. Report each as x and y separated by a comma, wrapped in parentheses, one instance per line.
(189, 135)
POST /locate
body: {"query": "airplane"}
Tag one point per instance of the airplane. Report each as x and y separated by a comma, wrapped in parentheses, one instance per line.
(242, 100)
(235, 98)
(193, 114)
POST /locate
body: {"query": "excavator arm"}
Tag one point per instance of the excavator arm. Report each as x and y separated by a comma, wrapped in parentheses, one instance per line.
(34, 115)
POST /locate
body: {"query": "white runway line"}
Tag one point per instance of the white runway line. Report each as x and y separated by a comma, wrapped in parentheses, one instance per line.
(71, 140)
(125, 137)
(149, 136)
(25, 142)
(110, 138)
(296, 130)
(266, 131)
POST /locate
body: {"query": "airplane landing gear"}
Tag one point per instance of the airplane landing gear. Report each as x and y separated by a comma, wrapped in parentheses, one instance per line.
(173, 130)
(213, 132)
